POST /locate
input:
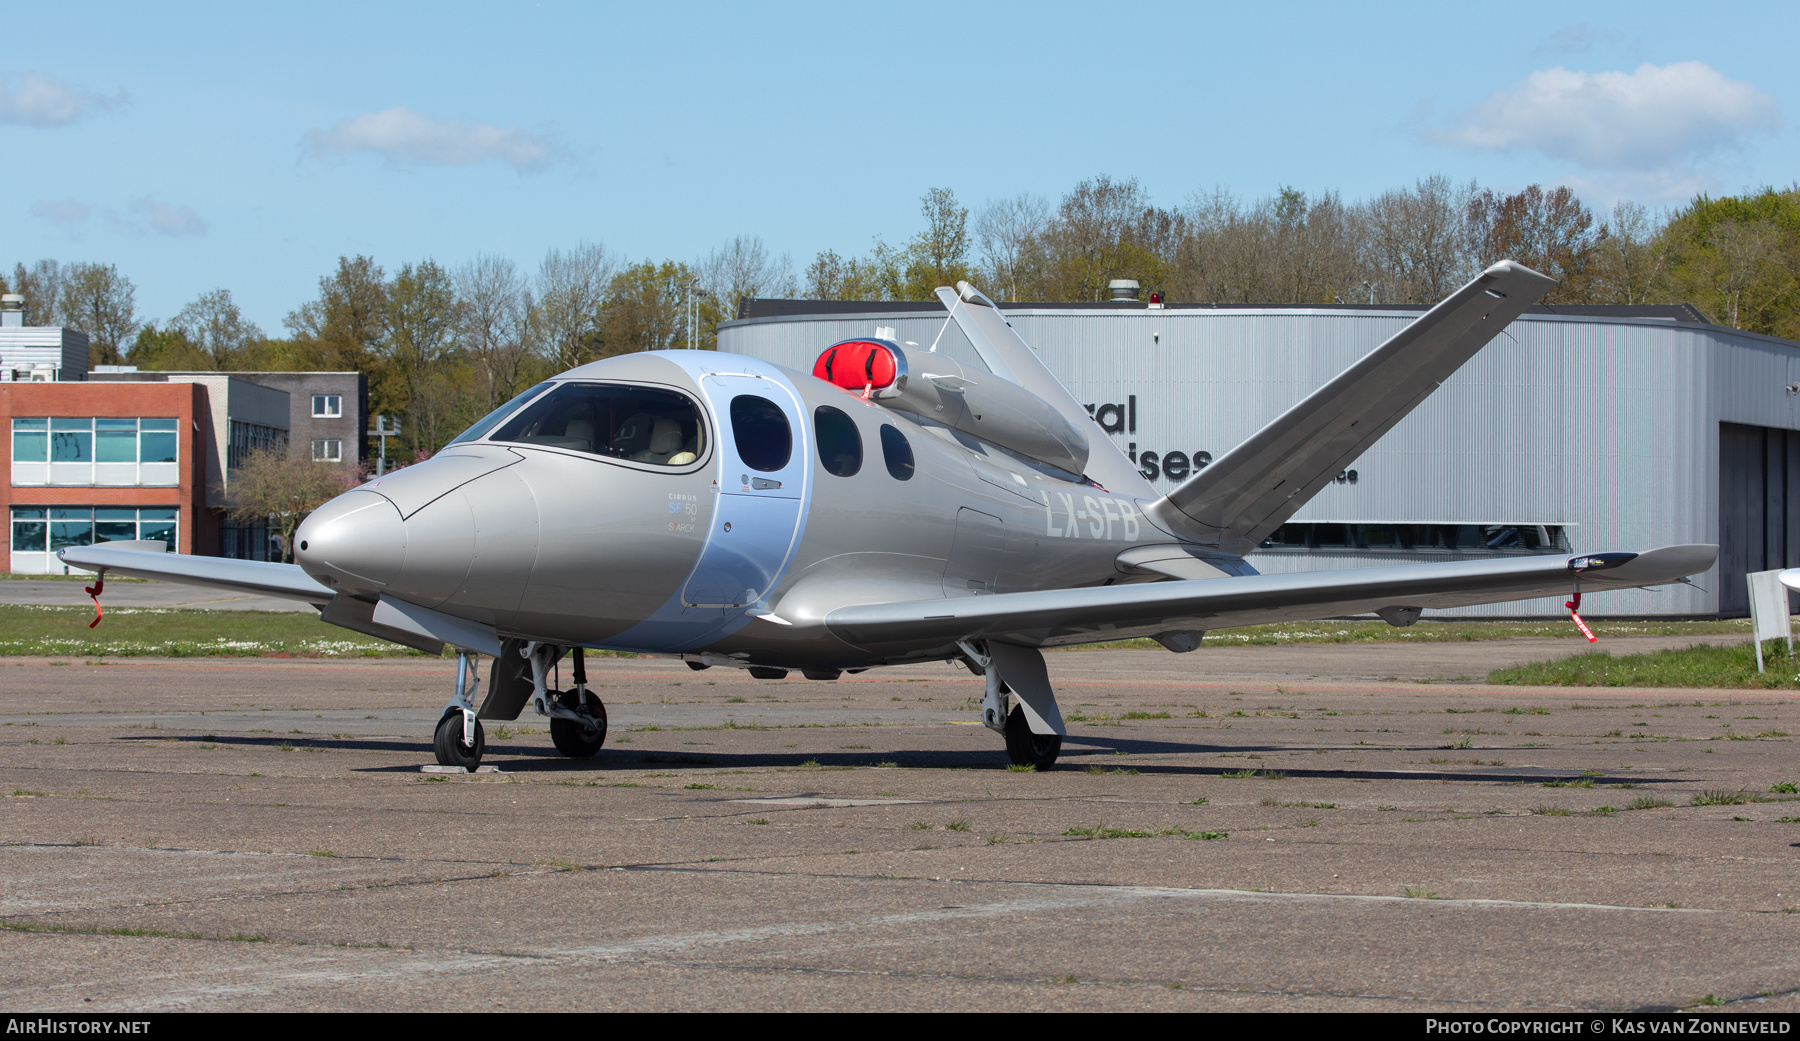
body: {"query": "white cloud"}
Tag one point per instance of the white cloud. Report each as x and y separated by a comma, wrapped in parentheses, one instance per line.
(40, 101)
(169, 220)
(1574, 39)
(1647, 120)
(66, 211)
(402, 136)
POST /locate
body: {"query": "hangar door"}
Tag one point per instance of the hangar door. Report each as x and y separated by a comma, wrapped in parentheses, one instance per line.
(1759, 508)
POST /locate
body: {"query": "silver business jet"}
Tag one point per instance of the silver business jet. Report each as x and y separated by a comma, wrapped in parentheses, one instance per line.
(891, 506)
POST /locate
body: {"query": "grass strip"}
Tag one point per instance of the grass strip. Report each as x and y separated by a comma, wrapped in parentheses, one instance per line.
(1438, 632)
(1732, 666)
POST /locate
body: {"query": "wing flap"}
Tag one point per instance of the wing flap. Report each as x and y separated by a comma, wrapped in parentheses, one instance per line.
(243, 576)
(1071, 616)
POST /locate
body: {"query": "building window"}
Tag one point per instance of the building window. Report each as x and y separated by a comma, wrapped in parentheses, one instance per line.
(1483, 539)
(330, 450)
(39, 531)
(328, 406)
(244, 438)
(85, 450)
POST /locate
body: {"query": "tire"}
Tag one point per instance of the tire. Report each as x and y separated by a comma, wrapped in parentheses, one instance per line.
(571, 738)
(1025, 748)
(448, 742)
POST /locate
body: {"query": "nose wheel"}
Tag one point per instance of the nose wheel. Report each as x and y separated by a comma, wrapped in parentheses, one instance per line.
(453, 746)
(579, 738)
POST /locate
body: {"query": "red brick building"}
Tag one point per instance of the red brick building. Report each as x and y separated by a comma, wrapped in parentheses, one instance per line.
(97, 462)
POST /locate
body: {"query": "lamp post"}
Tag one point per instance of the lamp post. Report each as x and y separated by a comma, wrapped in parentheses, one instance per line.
(694, 295)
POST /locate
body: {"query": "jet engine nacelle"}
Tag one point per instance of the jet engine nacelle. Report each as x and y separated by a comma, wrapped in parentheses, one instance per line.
(941, 389)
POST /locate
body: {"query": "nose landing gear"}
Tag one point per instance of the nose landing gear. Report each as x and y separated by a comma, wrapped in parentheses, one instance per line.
(459, 740)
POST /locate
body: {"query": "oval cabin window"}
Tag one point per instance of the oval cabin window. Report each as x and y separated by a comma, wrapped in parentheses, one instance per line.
(897, 452)
(764, 440)
(840, 444)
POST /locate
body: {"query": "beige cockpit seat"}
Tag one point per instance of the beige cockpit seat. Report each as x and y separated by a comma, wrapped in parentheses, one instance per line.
(665, 444)
(582, 431)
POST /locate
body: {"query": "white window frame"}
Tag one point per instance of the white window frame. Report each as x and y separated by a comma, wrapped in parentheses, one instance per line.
(332, 446)
(328, 406)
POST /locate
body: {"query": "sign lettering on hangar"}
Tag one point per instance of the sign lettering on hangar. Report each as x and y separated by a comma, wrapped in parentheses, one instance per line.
(1176, 465)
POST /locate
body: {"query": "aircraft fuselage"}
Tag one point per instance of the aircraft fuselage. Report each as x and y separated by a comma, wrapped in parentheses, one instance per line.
(733, 544)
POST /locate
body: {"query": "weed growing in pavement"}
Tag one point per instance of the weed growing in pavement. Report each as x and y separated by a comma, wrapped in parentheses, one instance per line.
(1195, 802)
(1207, 836)
(1114, 770)
(1422, 893)
(1145, 715)
(960, 824)
(1784, 788)
(1737, 798)
(1559, 782)
(1549, 811)
(1021, 768)
(321, 853)
(760, 820)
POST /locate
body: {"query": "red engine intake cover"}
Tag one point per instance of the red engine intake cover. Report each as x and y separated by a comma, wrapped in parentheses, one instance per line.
(856, 365)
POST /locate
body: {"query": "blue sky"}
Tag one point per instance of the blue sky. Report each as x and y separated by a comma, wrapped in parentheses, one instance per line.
(248, 146)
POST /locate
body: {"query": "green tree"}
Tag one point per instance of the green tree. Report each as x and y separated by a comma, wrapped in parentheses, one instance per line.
(214, 325)
(648, 308)
(417, 380)
(100, 302)
(342, 330)
(168, 350)
(1738, 259)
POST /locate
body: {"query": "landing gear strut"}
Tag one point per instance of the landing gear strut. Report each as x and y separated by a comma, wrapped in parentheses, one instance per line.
(579, 738)
(459, 740)
(577, 717)
(1019, 703)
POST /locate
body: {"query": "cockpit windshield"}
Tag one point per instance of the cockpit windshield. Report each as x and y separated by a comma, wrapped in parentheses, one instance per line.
(492, 419)
(642, 424)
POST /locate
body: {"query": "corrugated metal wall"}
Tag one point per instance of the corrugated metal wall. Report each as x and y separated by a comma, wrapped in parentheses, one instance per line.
(1608, 426)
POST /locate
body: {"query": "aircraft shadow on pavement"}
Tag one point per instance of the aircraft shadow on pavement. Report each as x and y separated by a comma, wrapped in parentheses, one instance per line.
(1083, 753)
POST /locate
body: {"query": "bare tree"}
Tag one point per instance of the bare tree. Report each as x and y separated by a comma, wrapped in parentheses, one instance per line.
(1633, 254)
(213, 323)
(99, 301)
(41, 286)
(269, 485)
(1010, 236)
(1091, 240)
(1416, 249)
(492, 295)
(831, 277)
(744, 267)
(571, 304)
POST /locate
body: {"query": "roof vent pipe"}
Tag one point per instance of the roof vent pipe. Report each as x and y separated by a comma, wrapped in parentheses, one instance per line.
(1123, 288)
(12, 310)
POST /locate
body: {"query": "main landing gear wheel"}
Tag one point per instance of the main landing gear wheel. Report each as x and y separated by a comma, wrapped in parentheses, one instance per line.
(1025, 748)
(573, 739)
(449, 746)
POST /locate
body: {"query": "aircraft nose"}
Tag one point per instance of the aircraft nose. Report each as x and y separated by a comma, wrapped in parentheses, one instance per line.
(355, 542)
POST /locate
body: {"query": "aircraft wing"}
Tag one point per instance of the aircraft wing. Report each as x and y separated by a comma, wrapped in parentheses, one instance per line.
(244, 576)
(1248, 492)
(1007, 355)
(1070, 616)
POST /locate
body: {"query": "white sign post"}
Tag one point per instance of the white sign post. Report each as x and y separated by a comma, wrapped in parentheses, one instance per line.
(1769, 611)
